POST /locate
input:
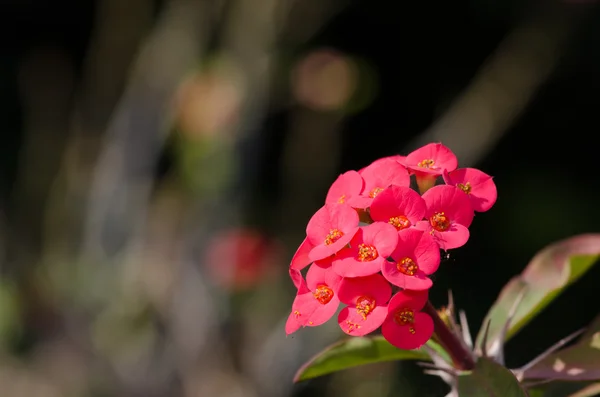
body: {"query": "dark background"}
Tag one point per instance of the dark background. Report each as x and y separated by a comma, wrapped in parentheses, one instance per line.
(422, 55)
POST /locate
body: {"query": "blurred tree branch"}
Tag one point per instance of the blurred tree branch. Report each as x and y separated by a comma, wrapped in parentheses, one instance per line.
(122, 181)
(120, 28)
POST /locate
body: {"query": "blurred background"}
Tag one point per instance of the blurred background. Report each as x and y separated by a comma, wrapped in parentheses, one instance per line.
(160, 159)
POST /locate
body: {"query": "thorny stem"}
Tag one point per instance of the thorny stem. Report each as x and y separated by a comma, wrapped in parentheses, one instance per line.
(461, 356)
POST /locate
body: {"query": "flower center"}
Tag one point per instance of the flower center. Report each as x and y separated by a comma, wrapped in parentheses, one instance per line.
(374, 192)
(323, 294)
(465, 188)
(427, 163)
(407, 266)
(404, 317)
(333, 236)
(439, 221)
(365, 305)
(342, 199)
(399, 222)
(367, 253)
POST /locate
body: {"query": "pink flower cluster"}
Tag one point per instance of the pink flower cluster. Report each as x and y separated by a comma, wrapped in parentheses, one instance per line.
(375, 243)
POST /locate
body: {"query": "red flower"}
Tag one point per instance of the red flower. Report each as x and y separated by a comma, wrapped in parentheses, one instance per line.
(415, 258)
(381, 174)
(316, 300)
(431, 159)
(241, 258)
(368, 250)
(346, 189)
(449, 214)
(330, 229)
(367, 308)
(399, 206)
(405, 326)
(479, 187)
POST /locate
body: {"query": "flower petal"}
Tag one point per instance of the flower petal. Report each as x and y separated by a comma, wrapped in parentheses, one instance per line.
(300, 259)
(323, 313)
(450, 200)
(349, 262)
(303, 307)
(419, 246)
(455, 237)
(408, 337)
(381, 235)
(349, 267)
(324, 263)
(330, 216)
(298, 280)
(353, 323)
(427, 253)
(382, 173)
(374, 286)
(292, 325)
(478, 185)
(415, 300)
(398, 201)
(443, 159)
(419, 281)
(324, 251)
(318, 275)
(347, 185)
(309, 312)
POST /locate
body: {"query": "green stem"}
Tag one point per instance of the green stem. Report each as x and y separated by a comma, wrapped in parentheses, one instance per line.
(461, 356)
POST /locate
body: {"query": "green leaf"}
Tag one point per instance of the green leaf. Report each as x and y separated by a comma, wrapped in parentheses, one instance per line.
(359, 351)
(552, 270)
(578, 362)
(489, 379)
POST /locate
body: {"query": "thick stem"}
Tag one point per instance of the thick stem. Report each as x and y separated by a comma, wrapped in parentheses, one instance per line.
(461, 356)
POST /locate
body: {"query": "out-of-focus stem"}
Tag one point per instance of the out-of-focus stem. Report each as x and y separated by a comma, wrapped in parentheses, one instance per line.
(461, 356)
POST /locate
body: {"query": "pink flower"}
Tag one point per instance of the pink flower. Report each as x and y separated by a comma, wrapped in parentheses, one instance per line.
(367, 308)
(405, 326)
(346, 189)
(292, 324)
(381, 174)
(368, 250)
(399, 206)
(397, 157)
(296, 277)
(415, 258)
(479, 187)
(431, 159)
(325, 263)
(316, 300)
(330, 229)
(449, 214)
(301, 259)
